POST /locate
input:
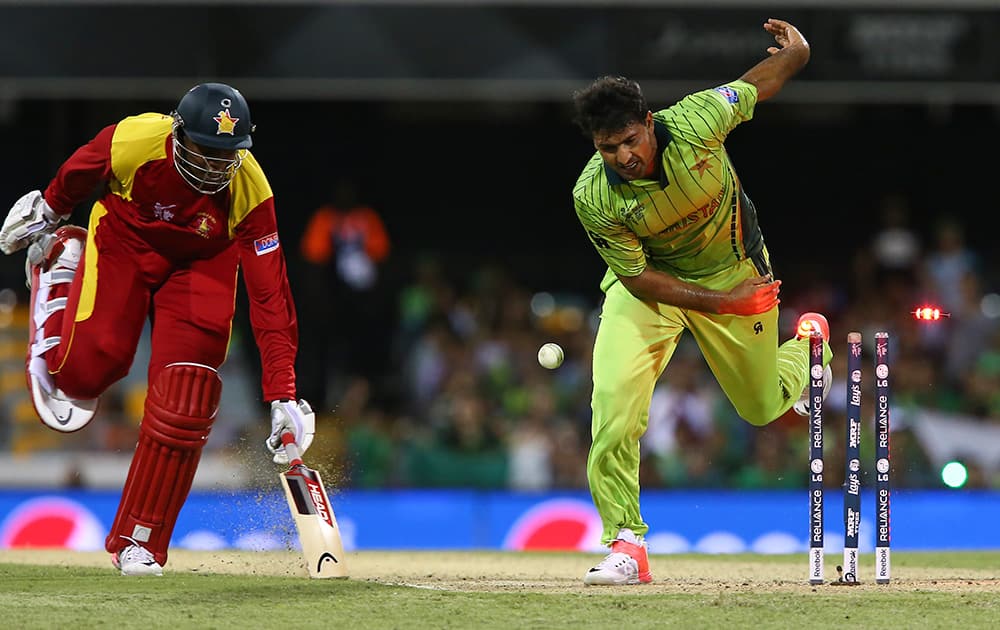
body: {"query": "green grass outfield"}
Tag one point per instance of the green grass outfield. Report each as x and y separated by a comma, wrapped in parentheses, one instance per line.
(243, 590)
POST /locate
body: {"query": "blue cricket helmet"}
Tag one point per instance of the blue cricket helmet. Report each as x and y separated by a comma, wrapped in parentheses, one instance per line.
(215, 115)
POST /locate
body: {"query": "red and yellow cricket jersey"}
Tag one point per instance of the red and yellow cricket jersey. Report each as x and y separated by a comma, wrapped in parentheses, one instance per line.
(131, 165)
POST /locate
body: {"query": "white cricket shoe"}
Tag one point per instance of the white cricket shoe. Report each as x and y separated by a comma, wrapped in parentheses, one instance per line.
(628, 563)
(135, 559)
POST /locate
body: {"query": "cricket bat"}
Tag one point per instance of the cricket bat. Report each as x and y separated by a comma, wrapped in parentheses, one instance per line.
(314, 519)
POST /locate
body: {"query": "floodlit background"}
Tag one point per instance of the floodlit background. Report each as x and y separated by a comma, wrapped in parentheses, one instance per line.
(422, 158)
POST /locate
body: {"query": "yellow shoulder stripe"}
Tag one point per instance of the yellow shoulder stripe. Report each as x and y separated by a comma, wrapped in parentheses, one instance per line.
(247, 191)
(137, 140)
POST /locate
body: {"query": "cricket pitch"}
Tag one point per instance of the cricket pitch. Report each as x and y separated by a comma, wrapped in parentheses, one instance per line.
(555, 572)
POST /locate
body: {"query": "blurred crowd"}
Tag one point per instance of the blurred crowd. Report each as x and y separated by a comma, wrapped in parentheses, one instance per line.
(433, 381)
(460, 399)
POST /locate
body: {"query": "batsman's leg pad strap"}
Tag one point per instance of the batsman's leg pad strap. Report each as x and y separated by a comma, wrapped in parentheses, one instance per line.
(180, 408)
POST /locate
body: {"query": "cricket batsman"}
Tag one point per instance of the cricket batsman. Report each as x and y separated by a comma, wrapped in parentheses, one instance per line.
(183, 205)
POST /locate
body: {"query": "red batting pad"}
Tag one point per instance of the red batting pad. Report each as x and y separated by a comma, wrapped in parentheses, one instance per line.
(180, 408)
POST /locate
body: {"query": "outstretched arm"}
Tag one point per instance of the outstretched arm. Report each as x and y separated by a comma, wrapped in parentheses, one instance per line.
(789, 56)
(752, 296)
(272, 309)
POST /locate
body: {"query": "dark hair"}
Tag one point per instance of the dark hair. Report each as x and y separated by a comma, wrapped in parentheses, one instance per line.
(609, 104)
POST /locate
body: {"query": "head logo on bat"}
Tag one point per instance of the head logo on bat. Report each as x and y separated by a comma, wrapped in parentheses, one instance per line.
(319, 535)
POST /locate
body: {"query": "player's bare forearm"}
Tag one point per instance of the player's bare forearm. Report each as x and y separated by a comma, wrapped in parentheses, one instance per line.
(752, 296)
(789, 56)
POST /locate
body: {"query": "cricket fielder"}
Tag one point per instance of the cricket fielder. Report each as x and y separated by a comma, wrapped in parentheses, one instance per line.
(662, 204)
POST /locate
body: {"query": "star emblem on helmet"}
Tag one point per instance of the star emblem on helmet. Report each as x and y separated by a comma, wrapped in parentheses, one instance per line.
(227, 124)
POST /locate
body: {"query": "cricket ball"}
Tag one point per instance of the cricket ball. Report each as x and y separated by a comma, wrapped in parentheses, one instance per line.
(550, 355)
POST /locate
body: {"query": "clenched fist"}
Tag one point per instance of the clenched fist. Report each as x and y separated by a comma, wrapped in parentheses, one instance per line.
(294, 416)
(752, 296)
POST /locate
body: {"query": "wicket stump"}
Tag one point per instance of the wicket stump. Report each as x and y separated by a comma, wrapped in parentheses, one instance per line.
(852, 460)
(882, 565)
(816, 458)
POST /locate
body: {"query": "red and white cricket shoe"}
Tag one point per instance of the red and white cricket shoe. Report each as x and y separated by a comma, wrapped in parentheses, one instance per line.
(808, 324)
(628, 563)
(50, 267)
(134, 559)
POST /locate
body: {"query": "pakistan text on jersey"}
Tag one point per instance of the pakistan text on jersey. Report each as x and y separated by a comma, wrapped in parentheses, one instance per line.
(703, 212)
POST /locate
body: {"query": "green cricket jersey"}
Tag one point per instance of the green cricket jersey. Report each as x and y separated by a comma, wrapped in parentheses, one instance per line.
(692, 222)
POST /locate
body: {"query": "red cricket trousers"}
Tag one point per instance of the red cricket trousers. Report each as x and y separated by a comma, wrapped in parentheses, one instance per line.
(123, 279)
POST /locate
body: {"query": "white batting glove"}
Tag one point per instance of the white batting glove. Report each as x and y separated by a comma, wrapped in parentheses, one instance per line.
(297, 417)
(29, 217)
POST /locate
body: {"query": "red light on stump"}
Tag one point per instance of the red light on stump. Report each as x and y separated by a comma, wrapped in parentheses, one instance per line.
(929, 313)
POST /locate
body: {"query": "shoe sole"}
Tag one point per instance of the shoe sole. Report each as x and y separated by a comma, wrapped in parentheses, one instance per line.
(143, 573)
(644, 579)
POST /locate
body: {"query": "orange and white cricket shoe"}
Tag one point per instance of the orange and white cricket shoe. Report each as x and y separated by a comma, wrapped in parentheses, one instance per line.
(628, 563)
(50, 267)
(809, 323)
